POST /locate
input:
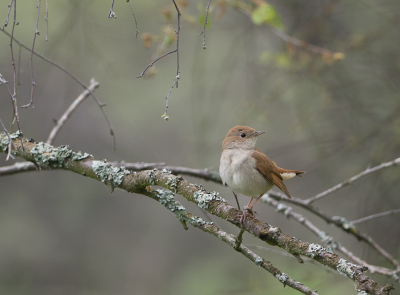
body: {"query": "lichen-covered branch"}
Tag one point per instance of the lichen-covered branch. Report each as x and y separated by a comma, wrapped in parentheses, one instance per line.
(340, 222)
(136, 182)
(287, 211)
(213, 175)
(166, 198)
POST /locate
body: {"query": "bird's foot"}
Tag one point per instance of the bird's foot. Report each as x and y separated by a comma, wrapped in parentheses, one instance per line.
(247, 211)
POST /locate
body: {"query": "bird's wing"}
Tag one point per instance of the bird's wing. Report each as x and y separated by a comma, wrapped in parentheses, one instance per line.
(270, 171)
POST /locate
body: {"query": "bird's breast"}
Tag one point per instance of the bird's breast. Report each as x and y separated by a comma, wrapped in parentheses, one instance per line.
(238, 170)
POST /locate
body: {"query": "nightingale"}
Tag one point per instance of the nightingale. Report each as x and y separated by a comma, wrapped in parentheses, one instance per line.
(247, 170)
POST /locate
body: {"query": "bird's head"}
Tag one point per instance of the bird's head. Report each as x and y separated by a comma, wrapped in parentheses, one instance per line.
(241, 137)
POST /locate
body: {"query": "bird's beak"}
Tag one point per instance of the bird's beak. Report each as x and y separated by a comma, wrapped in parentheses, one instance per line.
(257, 133)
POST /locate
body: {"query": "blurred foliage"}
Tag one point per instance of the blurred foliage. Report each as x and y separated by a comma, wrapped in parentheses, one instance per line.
(266, 13)
(324, 86)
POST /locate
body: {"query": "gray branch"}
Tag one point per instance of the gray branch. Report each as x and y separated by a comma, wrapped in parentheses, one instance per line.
(351, 180)
(141, 182)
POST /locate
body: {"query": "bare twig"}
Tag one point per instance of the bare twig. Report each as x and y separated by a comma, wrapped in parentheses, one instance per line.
(8, 14)
(14, 93)
(19, 69)
(75, 78)
(351, 180)
(134, 17)
(239, 240)
(111, 13)
(178, 72)
(31, 58)
(376, 216)
(175, 84)
(204, 27)
(9, 141)
(154, 61)
(46, 18)
(165, 116)
(93, 85)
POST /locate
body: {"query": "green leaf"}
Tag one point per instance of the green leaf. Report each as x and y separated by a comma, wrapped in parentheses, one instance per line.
(266, 13)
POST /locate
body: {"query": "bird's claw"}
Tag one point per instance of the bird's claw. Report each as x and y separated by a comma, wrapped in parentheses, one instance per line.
(247, 211)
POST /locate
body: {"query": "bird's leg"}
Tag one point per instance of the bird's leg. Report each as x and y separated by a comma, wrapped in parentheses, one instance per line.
(251, 207)
(237, 202)
(246, 212)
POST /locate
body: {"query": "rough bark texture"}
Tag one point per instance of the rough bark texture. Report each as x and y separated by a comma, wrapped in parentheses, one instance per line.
(139, 182)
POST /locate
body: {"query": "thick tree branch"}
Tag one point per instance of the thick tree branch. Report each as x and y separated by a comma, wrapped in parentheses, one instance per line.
(166, 198)
(137, 182)
(213, 175)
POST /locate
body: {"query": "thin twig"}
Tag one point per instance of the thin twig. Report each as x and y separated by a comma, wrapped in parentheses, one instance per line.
(376, 216)
(60, 123)
(204, 27)
(46, 18)
(178, 72)
(14, 94)
(75, 78)
(31, 58)
(9, 141)
(19, 69)
(111, 13)
(153, 62)
(8, 15)
(137, 31)
(239, 240)
(351, 180)
(165, 116)
(175, 84)
(15, 110)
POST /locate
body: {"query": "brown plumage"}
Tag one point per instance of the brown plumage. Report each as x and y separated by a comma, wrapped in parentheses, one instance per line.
(272, 172)
(248, 171)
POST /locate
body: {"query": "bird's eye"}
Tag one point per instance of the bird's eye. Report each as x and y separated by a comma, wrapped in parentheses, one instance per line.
(242, 135)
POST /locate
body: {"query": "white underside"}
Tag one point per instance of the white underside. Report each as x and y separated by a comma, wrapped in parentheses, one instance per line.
(238, 170)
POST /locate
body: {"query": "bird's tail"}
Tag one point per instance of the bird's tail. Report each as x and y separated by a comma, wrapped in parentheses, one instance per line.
(287, 174)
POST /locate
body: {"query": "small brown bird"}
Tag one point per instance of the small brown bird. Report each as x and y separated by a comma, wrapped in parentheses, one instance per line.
(248, 171)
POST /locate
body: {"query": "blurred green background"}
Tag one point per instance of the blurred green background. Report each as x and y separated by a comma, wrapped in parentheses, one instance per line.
(61, 233)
